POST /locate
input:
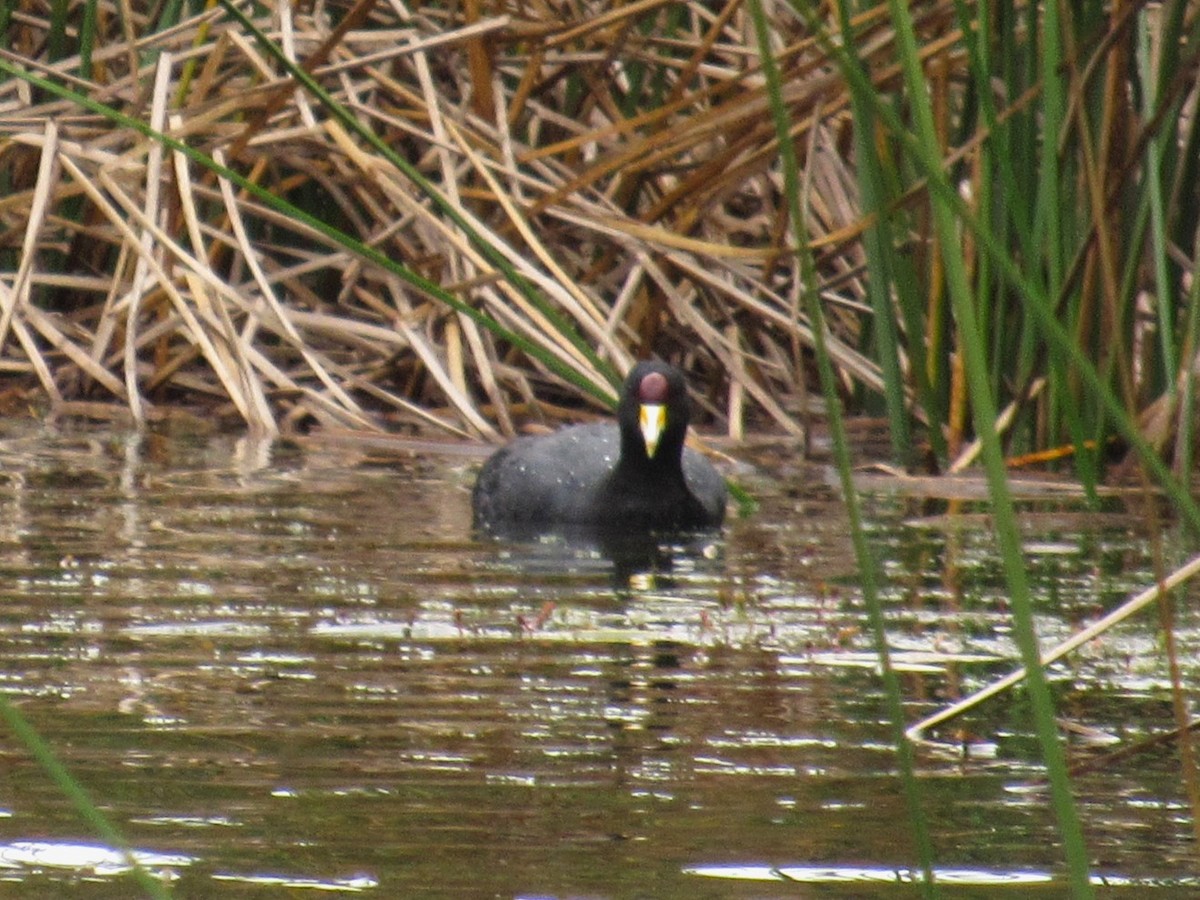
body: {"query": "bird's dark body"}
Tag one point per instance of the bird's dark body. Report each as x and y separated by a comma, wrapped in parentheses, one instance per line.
(600, 476)
(568, 477)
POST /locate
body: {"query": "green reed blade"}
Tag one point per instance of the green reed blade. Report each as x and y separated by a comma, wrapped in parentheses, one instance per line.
(868, 566)
(984, 413)
(77, 795)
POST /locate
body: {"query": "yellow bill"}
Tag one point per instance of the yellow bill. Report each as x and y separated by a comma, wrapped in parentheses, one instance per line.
(653, 420)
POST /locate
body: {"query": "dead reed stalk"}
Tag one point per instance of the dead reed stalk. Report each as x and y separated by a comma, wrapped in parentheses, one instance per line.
(620, 159)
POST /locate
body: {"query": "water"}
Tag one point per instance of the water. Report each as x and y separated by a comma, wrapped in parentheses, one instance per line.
(284, 670)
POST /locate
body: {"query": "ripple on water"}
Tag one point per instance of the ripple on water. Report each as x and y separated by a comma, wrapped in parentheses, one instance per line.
(285, 670)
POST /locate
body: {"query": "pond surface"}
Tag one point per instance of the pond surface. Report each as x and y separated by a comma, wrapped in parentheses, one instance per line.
(286, 671)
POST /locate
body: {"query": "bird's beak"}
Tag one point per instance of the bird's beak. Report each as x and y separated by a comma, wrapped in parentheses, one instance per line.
(653, 420)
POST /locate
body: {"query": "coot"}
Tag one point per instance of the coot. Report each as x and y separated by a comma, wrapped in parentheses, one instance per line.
(634, 475)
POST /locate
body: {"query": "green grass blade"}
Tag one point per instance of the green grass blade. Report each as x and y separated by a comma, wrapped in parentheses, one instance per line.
(75, 793)
(87, 39)
(868, 566)
(984, 412)
(56, 35)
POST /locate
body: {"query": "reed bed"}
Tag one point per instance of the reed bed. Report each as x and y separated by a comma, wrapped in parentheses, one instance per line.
(621, 162)
(455, 218)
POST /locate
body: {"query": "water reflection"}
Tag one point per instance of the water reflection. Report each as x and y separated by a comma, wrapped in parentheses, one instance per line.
(958, 878)
(633, 558)
(86, 859)
(295, 669)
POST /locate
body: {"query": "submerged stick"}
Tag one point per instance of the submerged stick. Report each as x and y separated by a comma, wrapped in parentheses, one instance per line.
(1122, 612)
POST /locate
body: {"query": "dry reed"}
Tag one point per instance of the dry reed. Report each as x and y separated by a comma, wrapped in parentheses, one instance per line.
(622, 160)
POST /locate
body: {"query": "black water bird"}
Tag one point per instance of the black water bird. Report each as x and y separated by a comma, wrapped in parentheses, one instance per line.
(635, 475)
